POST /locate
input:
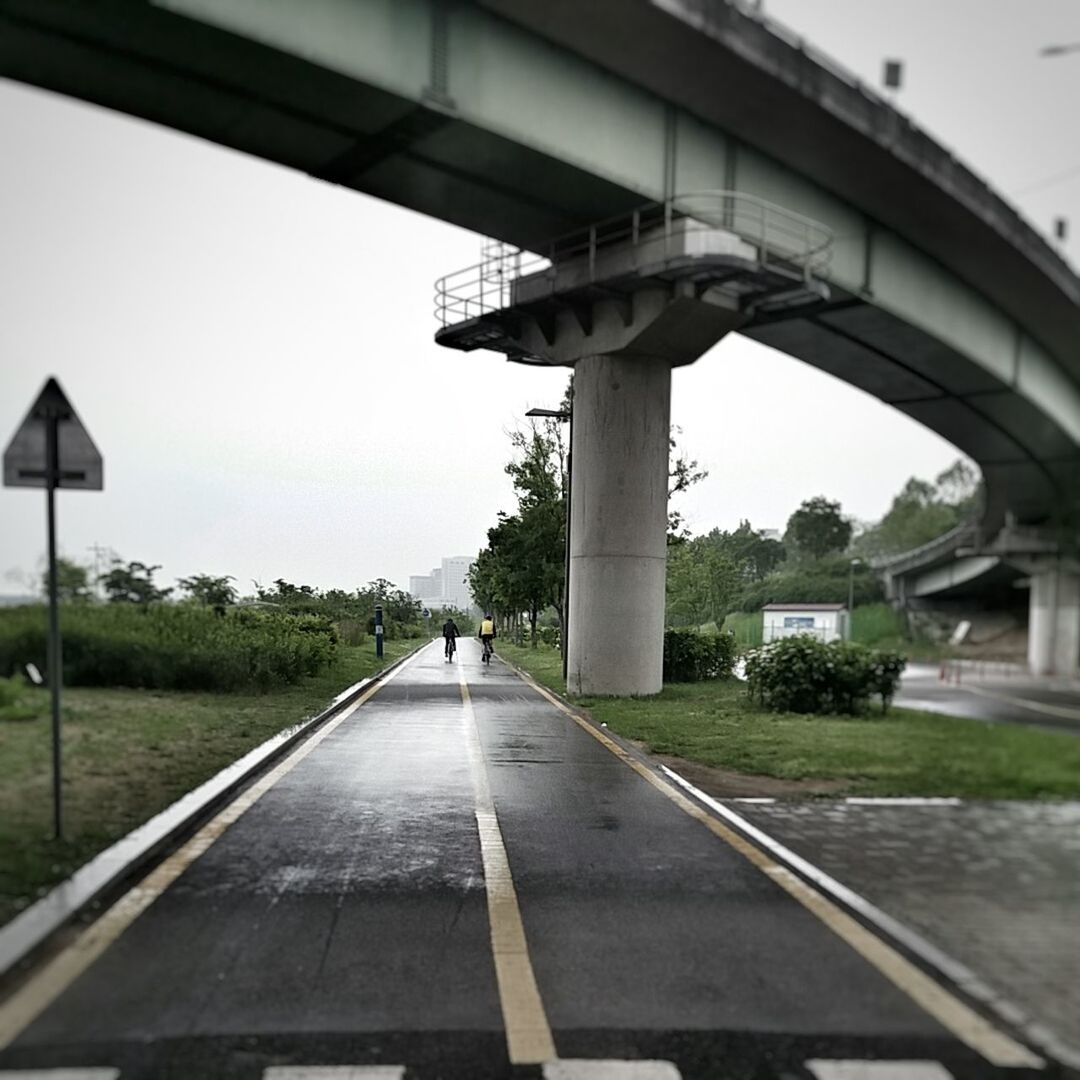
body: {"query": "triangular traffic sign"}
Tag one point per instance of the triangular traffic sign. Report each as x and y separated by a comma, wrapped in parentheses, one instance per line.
(79, 463)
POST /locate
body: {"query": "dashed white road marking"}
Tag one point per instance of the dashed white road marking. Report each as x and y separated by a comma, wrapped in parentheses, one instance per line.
(59, 1074)
(334, 1072)
(905, 800)
(878, 1070)
(586, 1069)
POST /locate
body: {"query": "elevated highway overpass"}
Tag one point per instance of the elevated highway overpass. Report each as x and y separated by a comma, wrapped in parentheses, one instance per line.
(528, 121)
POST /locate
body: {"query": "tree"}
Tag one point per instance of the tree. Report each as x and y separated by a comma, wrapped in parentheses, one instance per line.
(215, 592)
(72, 581)
(702, 582)
(960, 487)
(522, 568)
(132, 584)
(818, 528)
(922, 511)
(682, 475)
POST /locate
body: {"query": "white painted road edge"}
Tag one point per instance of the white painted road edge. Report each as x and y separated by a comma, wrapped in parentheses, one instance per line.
(905, 800)
(958, 973)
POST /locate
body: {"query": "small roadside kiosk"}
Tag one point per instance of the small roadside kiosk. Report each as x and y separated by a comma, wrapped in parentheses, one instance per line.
(826, 622)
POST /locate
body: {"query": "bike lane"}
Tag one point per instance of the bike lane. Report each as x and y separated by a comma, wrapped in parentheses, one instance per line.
(341, 918)
(459, 877)
(650, 937)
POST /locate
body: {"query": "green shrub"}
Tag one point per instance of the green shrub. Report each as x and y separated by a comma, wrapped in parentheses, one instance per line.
(351, 631)
(691, 656)
(171, 646)
(804, 675)
(13, 705)
(874, 624)
(747, 628)
(549, 635)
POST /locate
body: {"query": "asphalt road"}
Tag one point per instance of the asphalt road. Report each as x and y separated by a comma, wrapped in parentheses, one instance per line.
(458, 880)
(1048, 703)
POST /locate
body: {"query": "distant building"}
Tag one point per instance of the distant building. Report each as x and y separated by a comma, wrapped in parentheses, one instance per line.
(446, 585)
(826, 622)
(421, 585)
(455, 580)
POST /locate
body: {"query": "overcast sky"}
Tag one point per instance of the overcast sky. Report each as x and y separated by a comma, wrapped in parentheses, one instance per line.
(252, 349)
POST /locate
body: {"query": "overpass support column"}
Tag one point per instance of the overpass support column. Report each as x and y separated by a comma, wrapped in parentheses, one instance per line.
(618, 528)
(1054, 622)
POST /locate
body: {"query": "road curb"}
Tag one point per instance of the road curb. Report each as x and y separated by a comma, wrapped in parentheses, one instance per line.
(29, 932)
(960, 979)
(956, 975)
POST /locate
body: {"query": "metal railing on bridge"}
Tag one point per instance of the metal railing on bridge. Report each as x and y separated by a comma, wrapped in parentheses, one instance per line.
(778, 238)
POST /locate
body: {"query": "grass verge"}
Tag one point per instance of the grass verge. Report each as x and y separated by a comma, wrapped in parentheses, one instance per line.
(127, 754)
(902, 753)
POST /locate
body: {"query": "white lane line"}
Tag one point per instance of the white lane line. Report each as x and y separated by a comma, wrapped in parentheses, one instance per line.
(757, 799)
(40, 991)
(1061, 711)
(528, 1034)
(588, 1069)
(994, 1045)
(906, 800)
(878, 1070)
(59, 1074)
(334, 1072)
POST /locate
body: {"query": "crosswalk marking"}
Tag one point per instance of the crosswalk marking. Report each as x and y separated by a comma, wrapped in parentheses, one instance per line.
(334, 1072)
(585, 1069)
(878, 1070)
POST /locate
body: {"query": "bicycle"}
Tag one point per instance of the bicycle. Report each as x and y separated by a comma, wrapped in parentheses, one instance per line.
(451, 648)
(487, 653)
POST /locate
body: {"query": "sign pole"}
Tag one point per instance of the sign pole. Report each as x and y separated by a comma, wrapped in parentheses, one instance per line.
(41, 454)
(55, 658)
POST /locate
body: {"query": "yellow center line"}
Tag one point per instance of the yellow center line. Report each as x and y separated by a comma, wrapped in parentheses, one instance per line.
(528, 1034)
(44, 987)
(966, 1024)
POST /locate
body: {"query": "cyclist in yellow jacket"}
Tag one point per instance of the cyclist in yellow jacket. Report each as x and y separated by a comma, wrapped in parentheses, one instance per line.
(487, 635)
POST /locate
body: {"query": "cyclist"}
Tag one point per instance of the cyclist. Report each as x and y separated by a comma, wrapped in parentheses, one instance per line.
(487, 634)
(450, 634)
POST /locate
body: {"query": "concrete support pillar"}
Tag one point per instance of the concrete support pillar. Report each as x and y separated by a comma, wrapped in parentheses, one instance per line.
(618, 528)
(1054, 622)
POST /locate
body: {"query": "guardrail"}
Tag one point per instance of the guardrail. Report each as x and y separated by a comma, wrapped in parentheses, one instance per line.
(778, 235)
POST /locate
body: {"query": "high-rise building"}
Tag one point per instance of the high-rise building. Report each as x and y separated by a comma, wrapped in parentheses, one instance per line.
(446, 585)
(455, 580)
(421, 585)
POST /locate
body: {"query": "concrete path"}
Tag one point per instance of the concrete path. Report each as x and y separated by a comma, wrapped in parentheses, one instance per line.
(457, 879)
(1048, 703)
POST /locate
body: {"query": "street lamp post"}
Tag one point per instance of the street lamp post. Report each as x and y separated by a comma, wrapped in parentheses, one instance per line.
(564, 415)
(851, 594)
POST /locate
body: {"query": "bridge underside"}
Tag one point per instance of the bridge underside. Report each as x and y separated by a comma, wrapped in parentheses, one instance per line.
(460, 114)
(1026, 458)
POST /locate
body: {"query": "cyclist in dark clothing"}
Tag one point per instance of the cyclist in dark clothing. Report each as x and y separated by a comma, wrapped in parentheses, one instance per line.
(450, 635)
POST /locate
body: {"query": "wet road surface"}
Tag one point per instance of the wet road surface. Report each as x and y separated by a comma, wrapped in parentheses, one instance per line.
(458, 880)
(1032, 702)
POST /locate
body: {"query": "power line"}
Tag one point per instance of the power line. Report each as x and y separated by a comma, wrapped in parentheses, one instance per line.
(1048, 181)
